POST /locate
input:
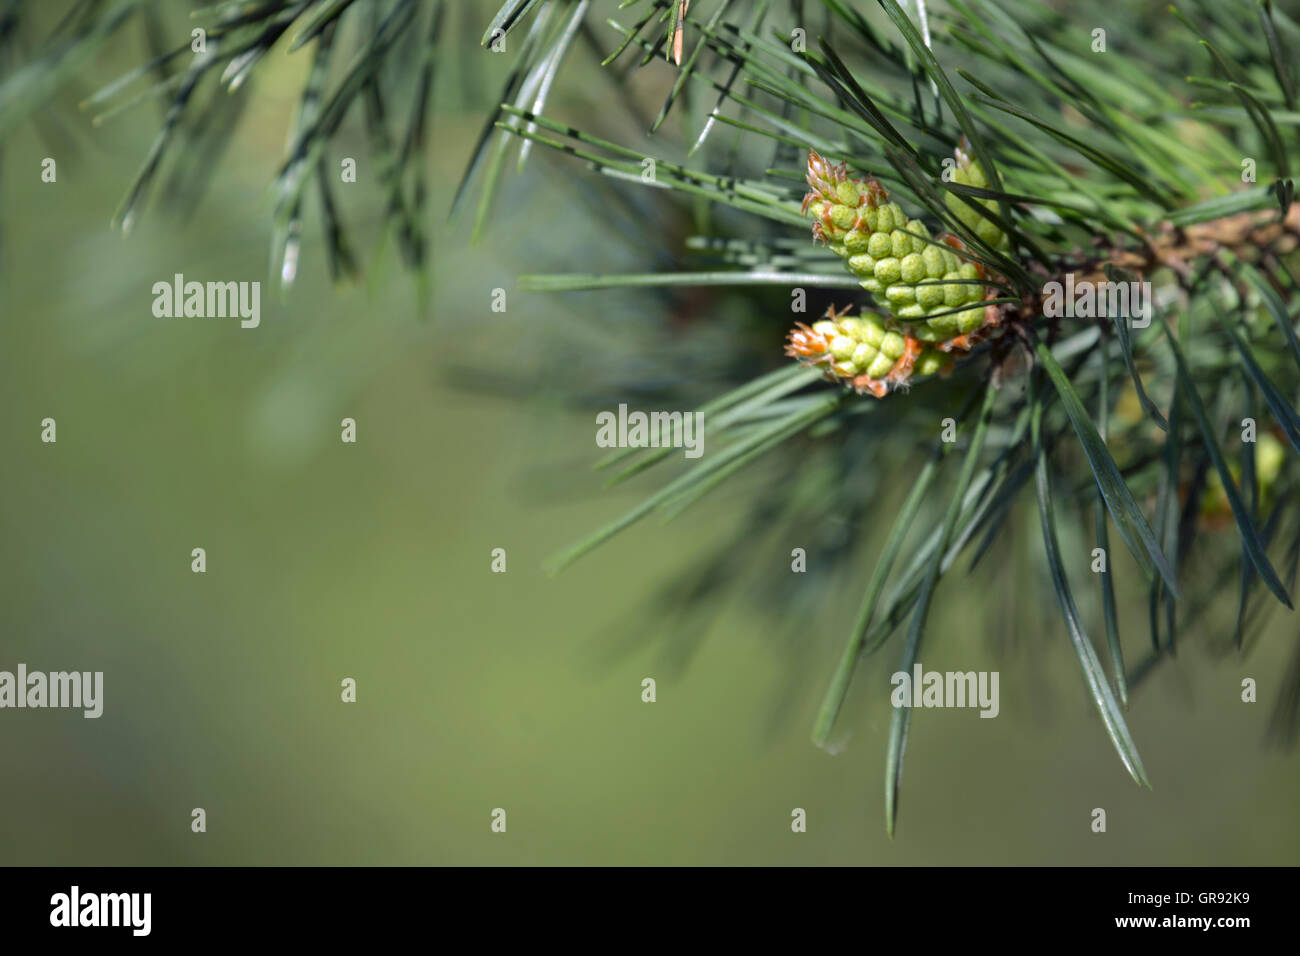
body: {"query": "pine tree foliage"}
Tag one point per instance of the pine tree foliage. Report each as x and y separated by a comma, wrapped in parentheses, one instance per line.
(1056, 146)
(372, 60)
(1098, 168)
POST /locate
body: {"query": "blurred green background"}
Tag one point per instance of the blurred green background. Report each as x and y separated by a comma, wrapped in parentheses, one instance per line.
(372, 561)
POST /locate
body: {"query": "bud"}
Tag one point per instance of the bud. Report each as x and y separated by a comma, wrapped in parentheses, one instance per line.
(1270, 456)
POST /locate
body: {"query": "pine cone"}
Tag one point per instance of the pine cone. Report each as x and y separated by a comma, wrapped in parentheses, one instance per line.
(864, 353)
(894, 256)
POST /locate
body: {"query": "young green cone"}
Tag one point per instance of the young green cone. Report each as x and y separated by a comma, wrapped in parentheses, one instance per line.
(923, 283)
(969, 172)
(863, 352)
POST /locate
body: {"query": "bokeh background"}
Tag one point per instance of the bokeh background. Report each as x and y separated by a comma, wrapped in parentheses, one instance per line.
(372, 561)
